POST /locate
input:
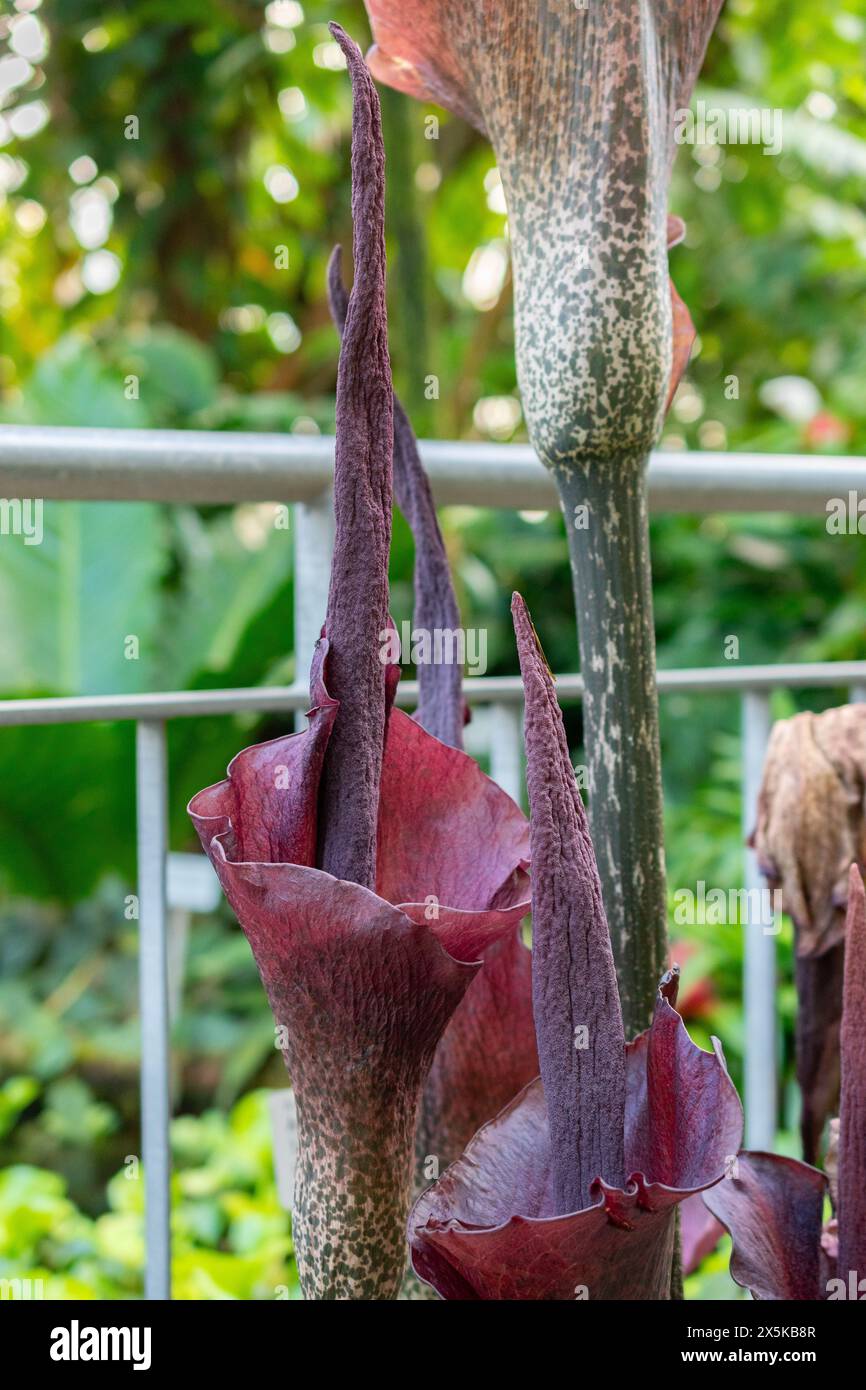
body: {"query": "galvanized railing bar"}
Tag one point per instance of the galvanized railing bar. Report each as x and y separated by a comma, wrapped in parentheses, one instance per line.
(313, 548)
(152, 834)
(88, 464)
(184, 704)
(506, 748)
(759, 963)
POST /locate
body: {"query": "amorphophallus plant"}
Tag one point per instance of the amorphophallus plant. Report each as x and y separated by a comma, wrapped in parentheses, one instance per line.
(773, 1207)
(579, 103)
(369, 864)
(488, 1052)
(571, 1192)
(811, 825)
(440, 708)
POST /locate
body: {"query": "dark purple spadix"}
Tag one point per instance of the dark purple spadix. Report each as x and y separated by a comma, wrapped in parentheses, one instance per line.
(852, 1111)
(441, 710)
(357, 612)
(578, 1023)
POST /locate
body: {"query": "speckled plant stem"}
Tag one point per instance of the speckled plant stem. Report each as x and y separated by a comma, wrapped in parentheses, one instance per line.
(613, 593)
(353, 1186)
(363, 1002)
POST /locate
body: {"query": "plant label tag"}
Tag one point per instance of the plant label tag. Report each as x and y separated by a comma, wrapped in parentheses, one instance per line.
(284, 1136)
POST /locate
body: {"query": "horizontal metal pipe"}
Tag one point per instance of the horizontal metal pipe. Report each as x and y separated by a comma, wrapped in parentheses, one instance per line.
(53, 461)
(183, 704)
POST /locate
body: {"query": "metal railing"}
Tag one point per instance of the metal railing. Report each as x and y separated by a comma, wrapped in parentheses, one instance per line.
(194, 466)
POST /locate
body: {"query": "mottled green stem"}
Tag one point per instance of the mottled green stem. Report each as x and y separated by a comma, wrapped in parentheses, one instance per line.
(606, 518)
(677, 1290)
(353, 1187)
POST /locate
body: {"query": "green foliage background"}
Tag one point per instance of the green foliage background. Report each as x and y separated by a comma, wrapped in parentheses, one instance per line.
(217, 307)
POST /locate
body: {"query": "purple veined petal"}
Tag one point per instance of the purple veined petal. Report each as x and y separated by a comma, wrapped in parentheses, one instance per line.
(683, 1117)
(772, 1208)
(267, 807)
(487, 1055)
(357, 614)
(445, 790)
(852, 1110)
(578, 1023)
(700, 1232)
(441, 708)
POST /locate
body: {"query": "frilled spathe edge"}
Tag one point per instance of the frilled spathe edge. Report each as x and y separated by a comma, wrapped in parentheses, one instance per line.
(483, 1231)
(453, 847)
(772, 1207)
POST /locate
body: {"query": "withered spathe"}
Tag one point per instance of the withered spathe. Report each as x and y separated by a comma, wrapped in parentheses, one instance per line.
(811, 825)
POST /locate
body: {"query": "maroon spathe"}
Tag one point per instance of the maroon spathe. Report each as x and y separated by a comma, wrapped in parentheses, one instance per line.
(363, 984)
(489, 1229)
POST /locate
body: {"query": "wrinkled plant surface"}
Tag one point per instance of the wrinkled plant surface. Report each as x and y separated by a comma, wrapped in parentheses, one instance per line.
(571, 1191)
(811, 825)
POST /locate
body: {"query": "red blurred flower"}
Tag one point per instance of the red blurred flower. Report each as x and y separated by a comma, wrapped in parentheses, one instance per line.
(773, 1207)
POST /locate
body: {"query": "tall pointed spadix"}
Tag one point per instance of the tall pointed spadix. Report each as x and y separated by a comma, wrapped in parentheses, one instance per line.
(440, 700)
(358, 597)
(578, 1020)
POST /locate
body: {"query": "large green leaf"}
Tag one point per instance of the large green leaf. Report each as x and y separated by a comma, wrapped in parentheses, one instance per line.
(79, 613)
(176, 373)
(71, 385)
(66, 809)
(69, 604)
(231, 568)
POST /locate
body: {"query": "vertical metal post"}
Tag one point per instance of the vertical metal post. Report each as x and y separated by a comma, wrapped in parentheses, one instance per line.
(152, 816)
(506, 748)
(313, 548)
(759, 984)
